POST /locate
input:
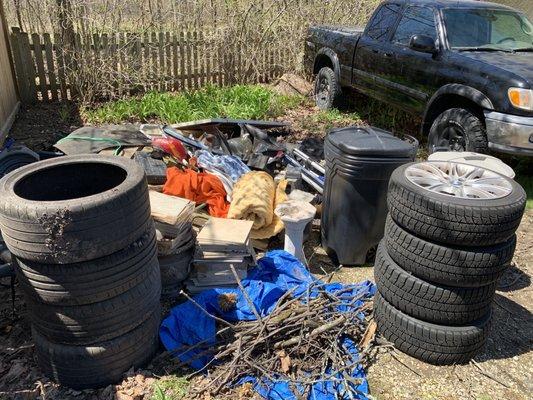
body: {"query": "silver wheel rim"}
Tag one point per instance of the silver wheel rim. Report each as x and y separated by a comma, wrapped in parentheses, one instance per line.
(458, 180)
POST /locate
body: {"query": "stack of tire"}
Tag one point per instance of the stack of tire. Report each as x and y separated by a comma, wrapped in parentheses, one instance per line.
(449, 236)
(86, 259)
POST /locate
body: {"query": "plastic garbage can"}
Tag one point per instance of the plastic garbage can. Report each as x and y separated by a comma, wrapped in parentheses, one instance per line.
(359, 163)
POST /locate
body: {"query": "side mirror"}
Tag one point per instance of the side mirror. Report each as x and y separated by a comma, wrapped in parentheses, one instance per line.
(423, 43)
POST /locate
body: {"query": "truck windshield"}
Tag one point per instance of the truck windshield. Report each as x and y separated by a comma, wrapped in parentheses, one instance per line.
(488, 30)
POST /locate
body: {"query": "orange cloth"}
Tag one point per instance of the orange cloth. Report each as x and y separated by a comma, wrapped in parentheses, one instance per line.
(199, 187)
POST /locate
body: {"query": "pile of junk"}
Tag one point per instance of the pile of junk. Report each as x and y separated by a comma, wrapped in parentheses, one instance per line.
(121, 217)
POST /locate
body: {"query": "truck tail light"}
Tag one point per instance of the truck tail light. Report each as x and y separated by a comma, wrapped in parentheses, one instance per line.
(521, 98)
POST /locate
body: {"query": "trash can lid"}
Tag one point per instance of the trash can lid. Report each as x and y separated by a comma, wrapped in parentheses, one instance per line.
(372, 142)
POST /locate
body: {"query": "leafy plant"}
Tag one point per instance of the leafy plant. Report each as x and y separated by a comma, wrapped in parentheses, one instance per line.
(239, 101)
(170, 388)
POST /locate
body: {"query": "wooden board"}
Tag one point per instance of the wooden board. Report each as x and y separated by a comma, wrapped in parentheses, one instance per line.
(225, 230)
(167, 209)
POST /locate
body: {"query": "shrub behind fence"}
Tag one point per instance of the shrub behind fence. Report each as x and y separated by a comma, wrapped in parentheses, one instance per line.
(106, 66)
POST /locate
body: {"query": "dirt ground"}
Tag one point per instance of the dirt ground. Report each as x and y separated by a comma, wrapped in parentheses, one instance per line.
(503, 371)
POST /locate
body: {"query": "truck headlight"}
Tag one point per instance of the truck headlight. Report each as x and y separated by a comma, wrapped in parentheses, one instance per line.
(521, 98)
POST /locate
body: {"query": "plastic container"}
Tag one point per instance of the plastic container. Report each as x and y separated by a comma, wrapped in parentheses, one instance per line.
(359, 163)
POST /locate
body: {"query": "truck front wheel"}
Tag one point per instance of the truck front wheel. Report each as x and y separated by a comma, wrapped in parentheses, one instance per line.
(458, 129)
(327, 89)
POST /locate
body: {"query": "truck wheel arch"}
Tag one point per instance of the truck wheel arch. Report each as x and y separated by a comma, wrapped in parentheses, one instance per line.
(326, 57)
(452, 96)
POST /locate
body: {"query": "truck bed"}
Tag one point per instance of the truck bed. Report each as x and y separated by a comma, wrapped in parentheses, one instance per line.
(342, 40)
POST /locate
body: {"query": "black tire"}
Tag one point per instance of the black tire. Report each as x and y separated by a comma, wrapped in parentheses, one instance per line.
(435, 344)
(175, 268)
(73, 209)
(105, 363)
(444, 305)
(90, 281)
(458, 129)
(174, 271)
(328, 91)
(451, 220)
(93, 323)
(452, 266)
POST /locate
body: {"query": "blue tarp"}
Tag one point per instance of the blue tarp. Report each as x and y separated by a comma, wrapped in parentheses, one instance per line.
(275, 274)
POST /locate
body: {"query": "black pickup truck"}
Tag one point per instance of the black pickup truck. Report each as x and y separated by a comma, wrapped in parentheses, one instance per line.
(466, 67)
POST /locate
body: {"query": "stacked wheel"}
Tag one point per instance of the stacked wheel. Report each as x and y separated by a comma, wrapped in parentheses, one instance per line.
(86, 259)
(449, 236)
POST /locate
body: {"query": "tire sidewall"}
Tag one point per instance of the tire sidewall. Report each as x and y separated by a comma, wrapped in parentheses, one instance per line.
(458, 118)
(328, 74)
(134, 176)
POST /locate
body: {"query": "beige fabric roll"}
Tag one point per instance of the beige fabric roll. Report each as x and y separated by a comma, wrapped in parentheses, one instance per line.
(254, 199)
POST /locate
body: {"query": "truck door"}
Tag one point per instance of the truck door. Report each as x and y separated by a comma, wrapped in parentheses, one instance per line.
(413, 73)
(373, 53)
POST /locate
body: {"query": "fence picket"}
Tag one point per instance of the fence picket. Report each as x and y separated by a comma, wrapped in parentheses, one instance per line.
(182, 61)
(201, 58)
(175, 72)
(168, 62)
(50, 67)
(153, 60)
(189, 62)
(28, 65)
(38, 53)
(61, 76)
(22, 78)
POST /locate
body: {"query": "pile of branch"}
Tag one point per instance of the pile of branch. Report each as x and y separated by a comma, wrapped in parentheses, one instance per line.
(300, 342)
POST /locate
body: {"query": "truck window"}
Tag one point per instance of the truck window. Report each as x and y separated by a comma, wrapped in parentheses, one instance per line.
(415, 21)
(383, 21)
(503, 29)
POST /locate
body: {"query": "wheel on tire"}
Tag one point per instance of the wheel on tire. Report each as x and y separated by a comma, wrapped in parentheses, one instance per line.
(73, 208)
(105, 363)
(327, 91)
(425, 301)
(458, 129)
(456, 204)
(432, 343)
(452, 266)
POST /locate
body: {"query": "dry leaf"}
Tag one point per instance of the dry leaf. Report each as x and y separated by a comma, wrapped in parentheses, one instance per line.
(285, 361)
(227, 301)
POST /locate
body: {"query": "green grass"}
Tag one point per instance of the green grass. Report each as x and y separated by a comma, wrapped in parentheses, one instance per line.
(170, 388)
(240, 102)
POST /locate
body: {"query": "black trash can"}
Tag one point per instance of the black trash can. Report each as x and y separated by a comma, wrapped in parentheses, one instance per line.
(359, 163)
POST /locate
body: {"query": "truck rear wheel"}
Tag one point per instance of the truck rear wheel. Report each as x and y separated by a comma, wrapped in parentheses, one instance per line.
(458, 129)
(328, 90)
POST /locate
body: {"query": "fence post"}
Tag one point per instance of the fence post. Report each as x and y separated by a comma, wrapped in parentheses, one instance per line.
(22, 79)
(28, 65)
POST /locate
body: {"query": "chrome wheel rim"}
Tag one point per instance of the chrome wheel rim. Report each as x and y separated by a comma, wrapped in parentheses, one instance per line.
(458, 180)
